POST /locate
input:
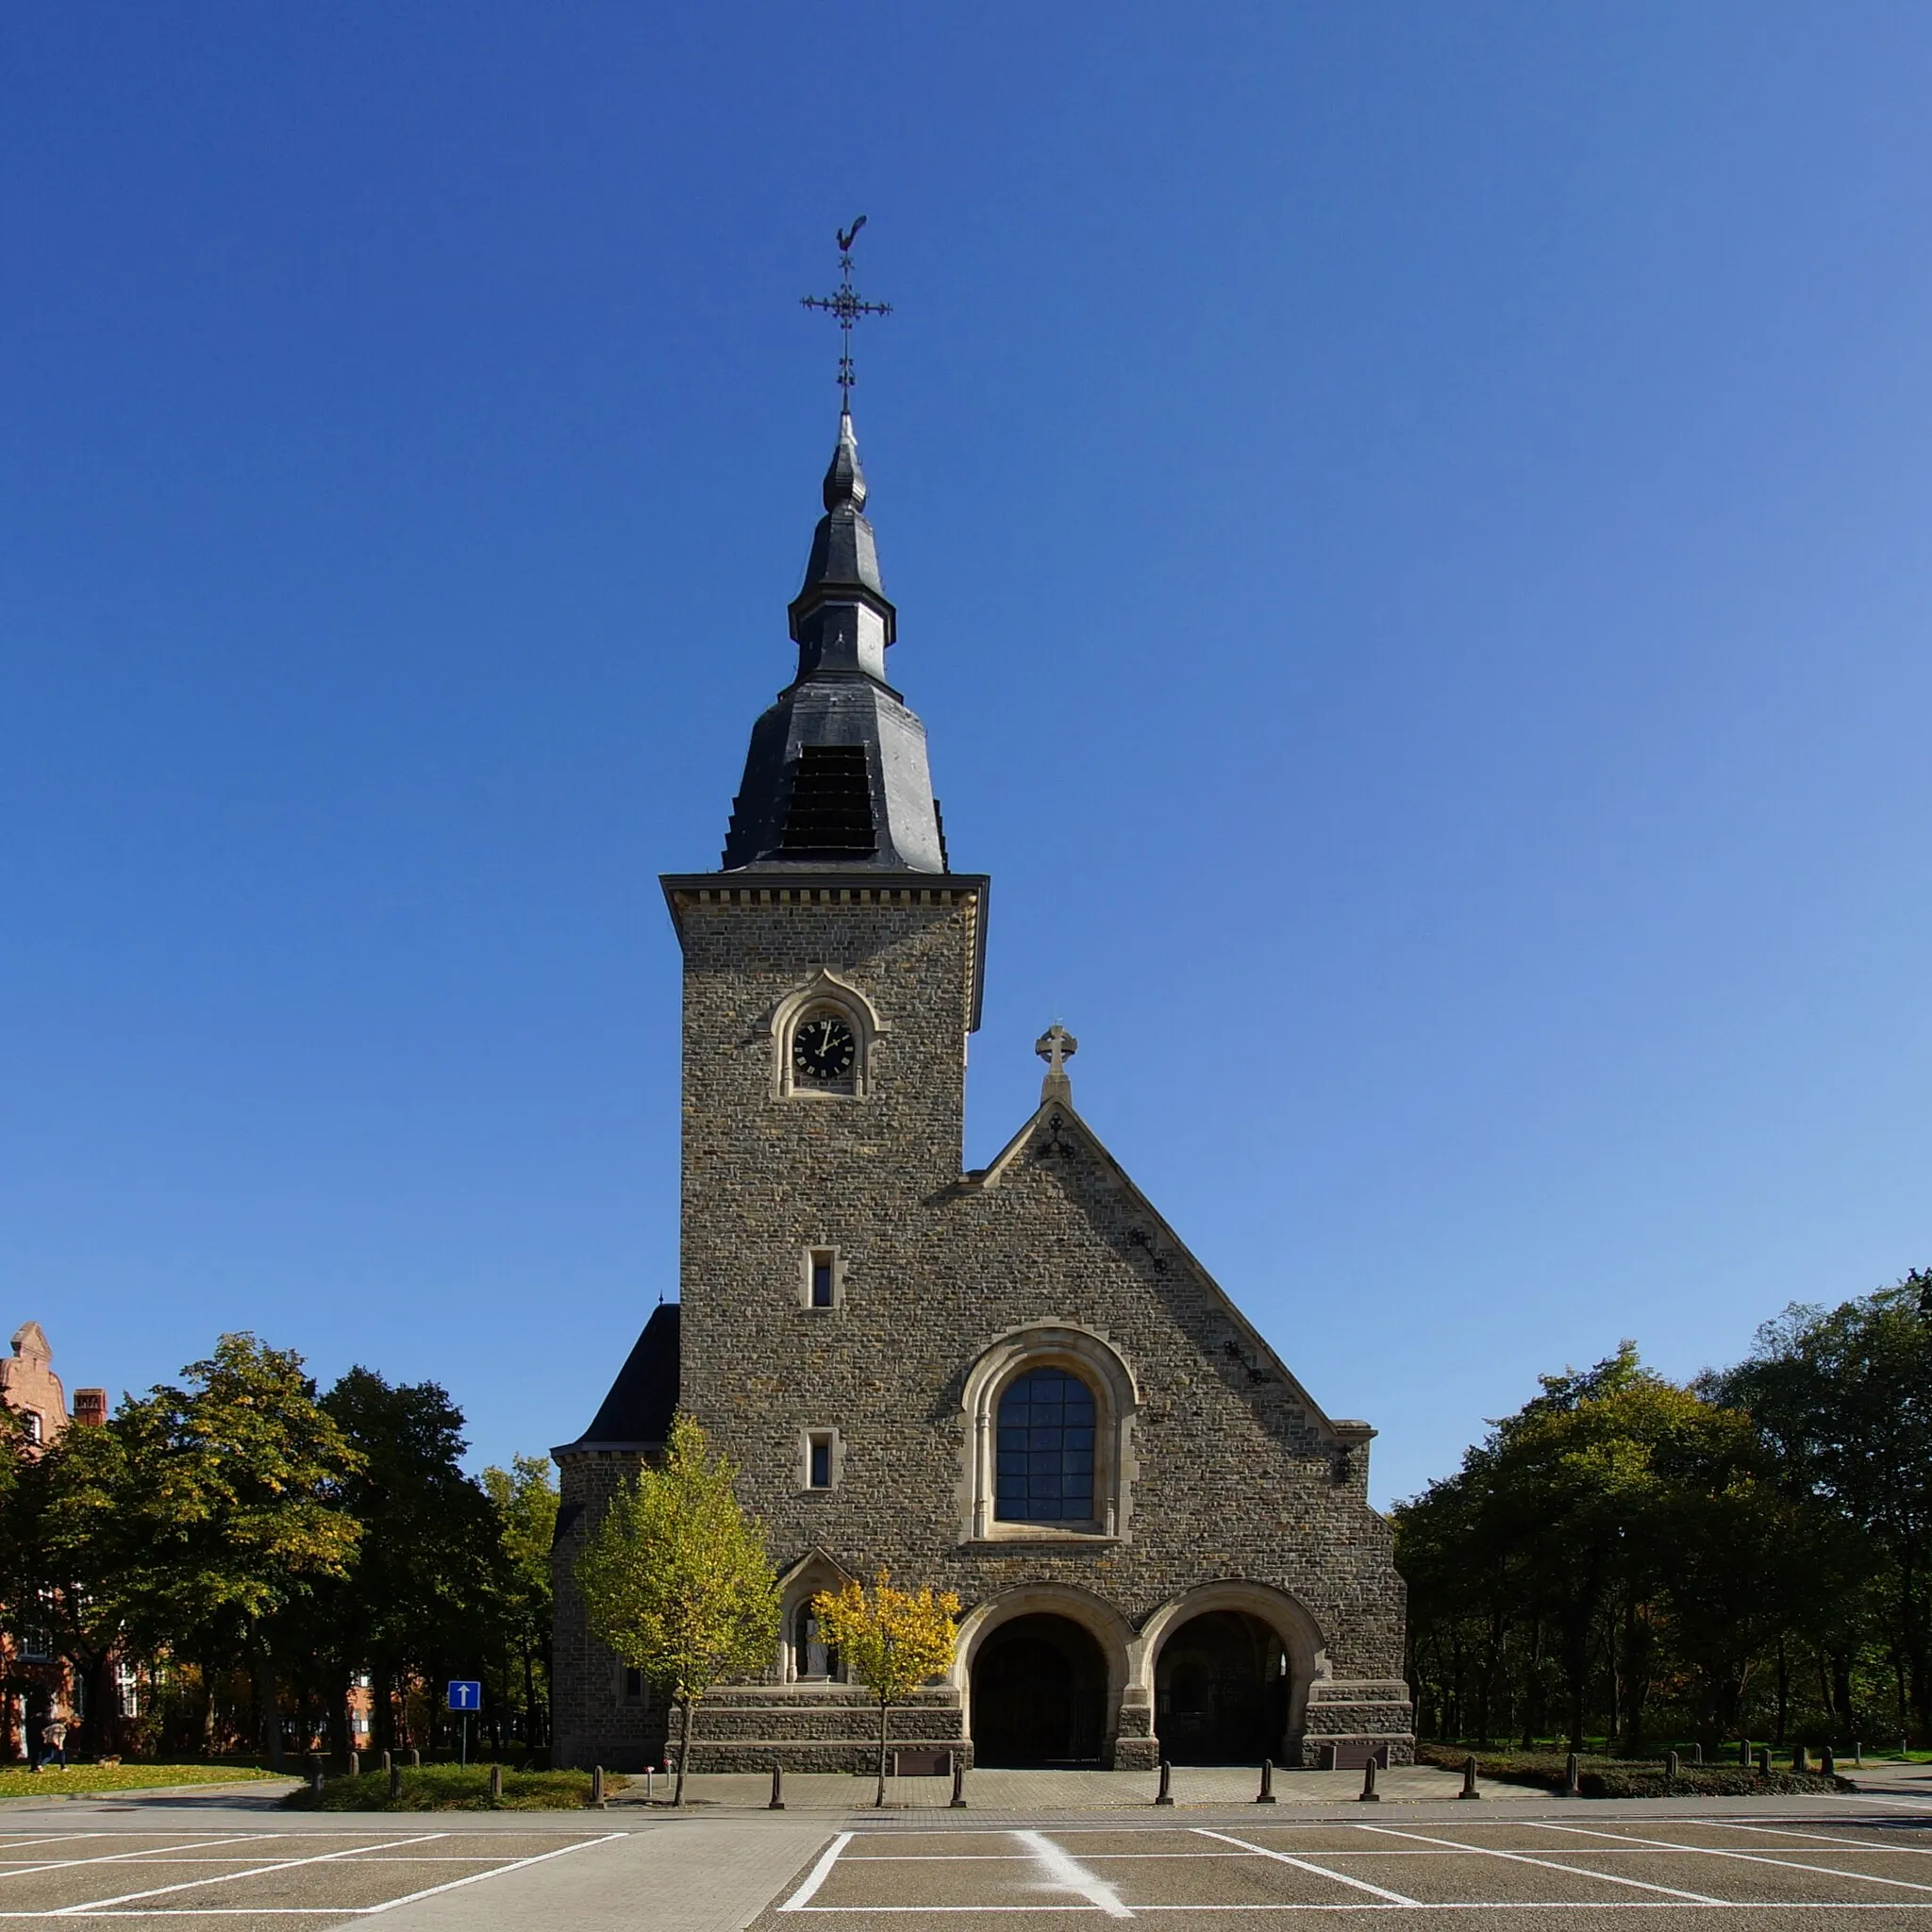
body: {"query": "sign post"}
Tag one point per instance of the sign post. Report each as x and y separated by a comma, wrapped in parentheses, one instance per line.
(465, 1695)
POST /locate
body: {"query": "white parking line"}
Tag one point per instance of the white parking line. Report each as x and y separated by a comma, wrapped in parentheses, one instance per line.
(1063, 1868)
(200, 1844)
(1394, 1898)
(583, 1844)
(1714, 1851)
(818, 1874)
(249, 1871)
(1696, 1898)
(1856, 1844)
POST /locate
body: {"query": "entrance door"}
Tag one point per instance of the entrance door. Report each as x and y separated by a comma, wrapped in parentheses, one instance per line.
(1221, 1691)
(1038, 1695)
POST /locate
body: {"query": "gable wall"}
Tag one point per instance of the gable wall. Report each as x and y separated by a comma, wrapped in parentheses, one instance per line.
(1236, 1478)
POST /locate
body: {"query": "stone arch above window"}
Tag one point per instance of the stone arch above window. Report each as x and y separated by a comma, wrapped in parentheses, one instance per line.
(1067, 1390)
(823, 1038)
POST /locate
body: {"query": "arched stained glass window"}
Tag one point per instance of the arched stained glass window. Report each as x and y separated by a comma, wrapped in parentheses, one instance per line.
(1045, 1471)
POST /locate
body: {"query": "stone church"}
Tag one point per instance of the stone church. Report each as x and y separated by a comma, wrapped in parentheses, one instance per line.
(1013, 1382)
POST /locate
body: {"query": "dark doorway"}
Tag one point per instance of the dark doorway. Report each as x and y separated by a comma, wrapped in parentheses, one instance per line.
(1038, 1695)
(1221, 1691)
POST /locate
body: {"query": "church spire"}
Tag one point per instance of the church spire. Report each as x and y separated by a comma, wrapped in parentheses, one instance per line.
(836, 772)
(841, 619)
(837, 775)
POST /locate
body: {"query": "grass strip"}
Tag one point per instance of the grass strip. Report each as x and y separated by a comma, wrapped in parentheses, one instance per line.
(1631, 1778)
(53, 1781)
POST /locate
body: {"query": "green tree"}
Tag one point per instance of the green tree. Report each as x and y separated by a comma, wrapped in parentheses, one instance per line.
(420, 1597)
(234, 1511)
(524, 1500)
(1621, 1533)
(64, 1558)
(893, 1641)
(676, 1579)
(1845, 1396)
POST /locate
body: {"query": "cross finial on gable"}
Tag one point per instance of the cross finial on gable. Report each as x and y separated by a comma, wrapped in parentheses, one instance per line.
(1056, 1046)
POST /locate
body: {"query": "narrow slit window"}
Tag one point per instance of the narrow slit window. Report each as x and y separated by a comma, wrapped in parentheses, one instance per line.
(818, 1476)
(821, 1286)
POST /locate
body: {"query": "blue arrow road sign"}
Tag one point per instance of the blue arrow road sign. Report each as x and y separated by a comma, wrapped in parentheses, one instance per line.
(465, 1693)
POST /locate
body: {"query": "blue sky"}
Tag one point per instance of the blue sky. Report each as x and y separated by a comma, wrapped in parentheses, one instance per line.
(1409, 528)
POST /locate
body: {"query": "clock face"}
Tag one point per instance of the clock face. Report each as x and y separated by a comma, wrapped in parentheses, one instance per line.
(824, 1048)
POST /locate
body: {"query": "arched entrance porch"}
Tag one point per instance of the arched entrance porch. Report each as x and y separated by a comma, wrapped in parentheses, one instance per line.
(1221, 1691)
(1040, 1694)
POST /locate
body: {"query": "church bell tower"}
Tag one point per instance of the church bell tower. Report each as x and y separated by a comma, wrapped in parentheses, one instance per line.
(832, 971)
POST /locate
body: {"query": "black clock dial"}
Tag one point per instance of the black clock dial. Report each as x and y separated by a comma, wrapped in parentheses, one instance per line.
(824, 1048)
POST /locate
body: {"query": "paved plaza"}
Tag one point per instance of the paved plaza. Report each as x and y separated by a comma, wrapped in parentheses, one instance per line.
(231, 1860)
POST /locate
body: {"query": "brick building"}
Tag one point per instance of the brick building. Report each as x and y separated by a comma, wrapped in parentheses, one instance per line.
(33, 1392)
(37, 1683)
(1016, 1382)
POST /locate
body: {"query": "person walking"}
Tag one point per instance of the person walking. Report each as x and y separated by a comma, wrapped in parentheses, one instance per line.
(54, 1740)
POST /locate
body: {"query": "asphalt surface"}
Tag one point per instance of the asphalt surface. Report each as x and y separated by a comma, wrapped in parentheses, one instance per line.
(233, 1861)
(1514, 1870)
(250, 1880)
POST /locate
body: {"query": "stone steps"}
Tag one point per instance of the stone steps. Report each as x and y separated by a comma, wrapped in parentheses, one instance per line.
(802, 1753)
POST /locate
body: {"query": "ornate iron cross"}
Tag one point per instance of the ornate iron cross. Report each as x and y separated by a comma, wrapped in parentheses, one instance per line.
(847, 306)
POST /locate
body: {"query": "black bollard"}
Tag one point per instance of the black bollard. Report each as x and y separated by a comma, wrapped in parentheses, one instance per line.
(1165, 1794)
(1828, 1762)
(596, 1787)
(1801, 1760)
(959, 1758)
(1369, 1794)
(1570, 1788)
(777, 1802)
(1764, 1760)
(1266, 1794)
(1671, 1766)
(395, 1781)
(1744, 1754)
(1469, 1789)
(496, 1784)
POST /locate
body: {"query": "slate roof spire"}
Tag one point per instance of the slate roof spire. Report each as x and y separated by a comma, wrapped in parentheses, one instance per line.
(836, 772)
(841, 618)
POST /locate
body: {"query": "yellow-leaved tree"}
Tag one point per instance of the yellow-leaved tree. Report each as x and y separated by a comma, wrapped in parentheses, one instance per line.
(677, 1580)
(893, 1641)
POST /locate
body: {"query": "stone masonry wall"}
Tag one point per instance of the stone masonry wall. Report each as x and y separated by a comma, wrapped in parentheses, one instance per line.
(1235, 1475)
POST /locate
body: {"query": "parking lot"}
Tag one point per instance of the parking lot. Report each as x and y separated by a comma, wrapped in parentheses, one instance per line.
(231, 1878)
(1579, 1866)
(1523, 1871)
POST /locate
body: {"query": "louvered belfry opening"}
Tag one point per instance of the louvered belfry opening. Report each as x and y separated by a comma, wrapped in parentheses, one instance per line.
(830, 809)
